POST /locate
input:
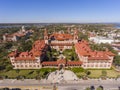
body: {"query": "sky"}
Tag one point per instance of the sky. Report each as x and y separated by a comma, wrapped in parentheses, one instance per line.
(59, 11)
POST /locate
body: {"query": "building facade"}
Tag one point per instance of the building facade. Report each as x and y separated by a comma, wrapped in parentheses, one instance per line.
(31, 59)
(93, 59)
(61, 41)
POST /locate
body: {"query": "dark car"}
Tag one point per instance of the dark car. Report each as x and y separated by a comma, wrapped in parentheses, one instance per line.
(92, 88)
(15, 89)
(101, 87)
(119, 88)
(6, 88)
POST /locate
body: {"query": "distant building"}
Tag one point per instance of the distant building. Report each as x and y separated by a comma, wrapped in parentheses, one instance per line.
(116, 47)
(99, 39)
(17, 35)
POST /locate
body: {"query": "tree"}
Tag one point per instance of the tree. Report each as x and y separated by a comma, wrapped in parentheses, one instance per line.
(117, 60)
(104, 73)
(38, 71)
(8, 67)
(17, 71)
(87, 88)
(38, 77)
(8, 45)
(100, 88)
(31, 72)
(88, 73)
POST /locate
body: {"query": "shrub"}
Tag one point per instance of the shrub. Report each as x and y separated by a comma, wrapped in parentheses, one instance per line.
(77, 70)
(104, 73)
(31, 72)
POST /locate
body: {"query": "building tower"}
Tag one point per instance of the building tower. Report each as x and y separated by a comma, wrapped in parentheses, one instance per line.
(68, 30)
(75, 36)
(46, 36)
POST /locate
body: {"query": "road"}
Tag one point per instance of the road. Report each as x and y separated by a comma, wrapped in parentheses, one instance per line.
(109, 84)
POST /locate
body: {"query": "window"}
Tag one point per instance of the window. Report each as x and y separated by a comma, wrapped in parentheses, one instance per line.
(104, 65)
(92, 65)
(101, 65)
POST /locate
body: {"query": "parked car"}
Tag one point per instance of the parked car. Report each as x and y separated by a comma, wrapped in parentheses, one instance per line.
(119, 88)
(15, 89)
(5, 88)
(101, 86)
(92, 88)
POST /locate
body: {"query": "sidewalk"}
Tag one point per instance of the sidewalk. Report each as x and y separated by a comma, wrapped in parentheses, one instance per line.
(43, 81)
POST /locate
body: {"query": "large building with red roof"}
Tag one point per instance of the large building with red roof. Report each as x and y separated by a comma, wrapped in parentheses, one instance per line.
(31, 59)
(60, 40)
(88, 58)
(93, 59)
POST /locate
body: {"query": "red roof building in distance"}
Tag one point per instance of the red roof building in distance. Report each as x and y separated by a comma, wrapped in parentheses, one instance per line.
(17, 35)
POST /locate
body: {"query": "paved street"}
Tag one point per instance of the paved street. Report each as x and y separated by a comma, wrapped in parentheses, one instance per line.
(109, 84)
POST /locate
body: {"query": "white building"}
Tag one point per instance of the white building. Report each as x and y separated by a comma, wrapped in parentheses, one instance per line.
(98, 39)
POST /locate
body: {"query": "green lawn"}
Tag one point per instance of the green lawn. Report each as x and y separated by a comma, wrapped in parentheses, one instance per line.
(27, 73)
(110, 73)
(96, 73)
(13, 73)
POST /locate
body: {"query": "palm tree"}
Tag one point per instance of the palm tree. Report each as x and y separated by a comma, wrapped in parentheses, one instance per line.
(100, 88)
(17, 71)
(104, 73)
(38, 77)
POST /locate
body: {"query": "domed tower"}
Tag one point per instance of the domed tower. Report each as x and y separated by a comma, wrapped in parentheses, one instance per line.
(46, 36)
(68, 30)
(75, 35)
(23, 29)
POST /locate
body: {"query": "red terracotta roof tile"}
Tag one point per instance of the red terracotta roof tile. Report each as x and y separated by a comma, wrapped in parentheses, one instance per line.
(59, 36)
(25, 58)
(83, 49)
(12, 54)
(36, 50)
